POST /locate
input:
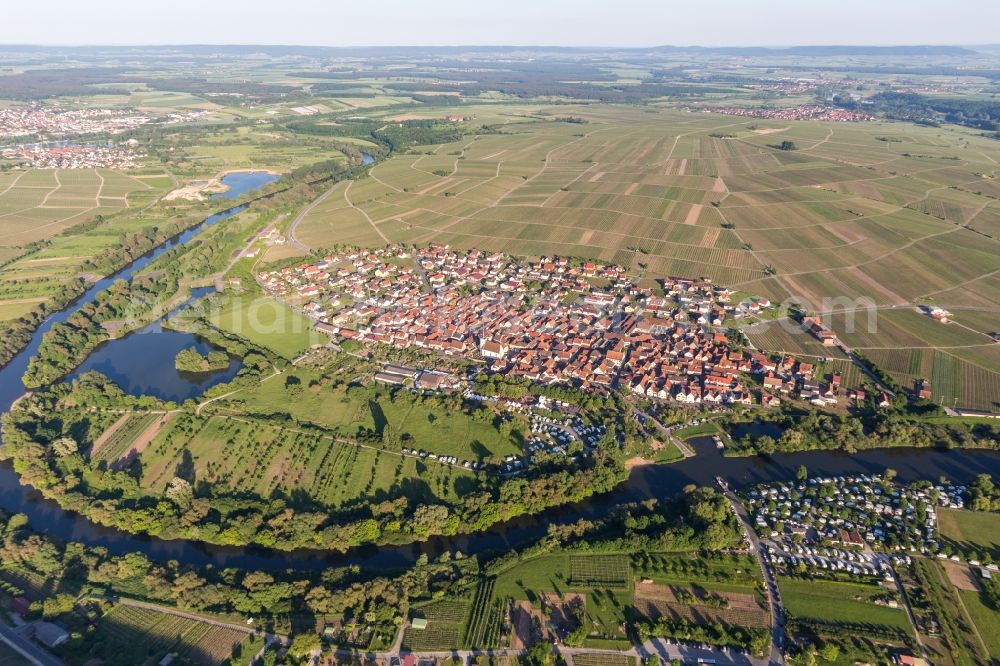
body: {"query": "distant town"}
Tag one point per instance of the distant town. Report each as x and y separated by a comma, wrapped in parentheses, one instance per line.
(41, 121)
(41, 156)
(803, 112)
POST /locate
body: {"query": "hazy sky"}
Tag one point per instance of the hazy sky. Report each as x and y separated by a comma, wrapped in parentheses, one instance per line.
(549, 22)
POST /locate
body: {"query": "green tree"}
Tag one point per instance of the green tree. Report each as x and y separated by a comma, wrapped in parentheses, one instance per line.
(541, 654)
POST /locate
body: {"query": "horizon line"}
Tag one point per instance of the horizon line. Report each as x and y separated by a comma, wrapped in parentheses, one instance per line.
(494, 45)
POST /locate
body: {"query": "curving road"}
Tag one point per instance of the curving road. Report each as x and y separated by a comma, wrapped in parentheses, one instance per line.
(773, 594)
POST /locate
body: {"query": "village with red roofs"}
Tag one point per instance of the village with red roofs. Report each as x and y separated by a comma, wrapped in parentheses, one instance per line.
(554, 320)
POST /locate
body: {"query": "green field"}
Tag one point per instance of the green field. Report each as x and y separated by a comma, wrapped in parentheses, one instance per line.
(977, 531)
(944, 602)
(468, 433)
(266, 323)
(707, 429)
(986, 618)
(255, 457)
(840, 602)
(552, 574)
(734, 573)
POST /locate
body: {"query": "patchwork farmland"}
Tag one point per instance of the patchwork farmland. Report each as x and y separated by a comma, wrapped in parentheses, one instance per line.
(846, 215)
(45, 238)
(39, 203)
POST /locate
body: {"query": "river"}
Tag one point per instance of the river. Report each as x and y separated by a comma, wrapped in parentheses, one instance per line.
(143, 361)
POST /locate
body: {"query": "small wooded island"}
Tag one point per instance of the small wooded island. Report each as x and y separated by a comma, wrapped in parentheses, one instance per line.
(190, 360)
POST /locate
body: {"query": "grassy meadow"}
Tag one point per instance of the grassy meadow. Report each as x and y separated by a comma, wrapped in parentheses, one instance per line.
(840, 602)
(977, 531)
(467, 433)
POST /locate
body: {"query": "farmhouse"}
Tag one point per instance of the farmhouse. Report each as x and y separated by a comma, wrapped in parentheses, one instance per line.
(819, 330)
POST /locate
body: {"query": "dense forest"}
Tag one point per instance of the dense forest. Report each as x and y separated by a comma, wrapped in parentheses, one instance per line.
(808, 430)
(927, 110)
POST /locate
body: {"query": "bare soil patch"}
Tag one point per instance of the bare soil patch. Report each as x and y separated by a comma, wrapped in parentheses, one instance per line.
(655, 601)
(439, 185)
(693, 214)
(637, 461)
(526, 623)
(563, 617)
(961, 576)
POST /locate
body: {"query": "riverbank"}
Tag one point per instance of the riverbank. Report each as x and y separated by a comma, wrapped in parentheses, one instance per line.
(644, 482)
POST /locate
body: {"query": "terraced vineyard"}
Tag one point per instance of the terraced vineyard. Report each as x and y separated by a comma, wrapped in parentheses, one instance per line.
(157, 631)
(487, 615)
(32, 584)
(600, 659)
(39, 203)
(452, 611)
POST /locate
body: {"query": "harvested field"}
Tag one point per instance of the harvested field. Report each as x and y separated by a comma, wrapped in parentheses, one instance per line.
(961, 576)
(699, 605)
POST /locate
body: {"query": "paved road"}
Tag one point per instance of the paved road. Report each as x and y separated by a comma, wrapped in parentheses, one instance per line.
(773, 594)
(305, 211)
(26, 648)
(906, 603)
(654, 646)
